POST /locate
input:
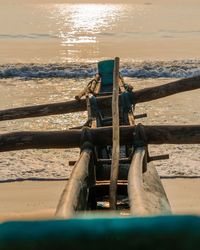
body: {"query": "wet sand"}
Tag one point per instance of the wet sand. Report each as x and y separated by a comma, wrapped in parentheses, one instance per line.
(38, 200)
(183, 195)
(29, 199)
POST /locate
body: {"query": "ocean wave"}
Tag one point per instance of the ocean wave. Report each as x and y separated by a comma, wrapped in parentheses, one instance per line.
(145, 69)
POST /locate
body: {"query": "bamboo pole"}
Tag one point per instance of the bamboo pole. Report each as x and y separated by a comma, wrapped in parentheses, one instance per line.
(115, 136)
(167, 134)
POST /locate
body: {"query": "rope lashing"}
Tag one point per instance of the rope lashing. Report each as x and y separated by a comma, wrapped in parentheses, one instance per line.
(86, 141)
(93, 80)
(128, 87)
(90, 85)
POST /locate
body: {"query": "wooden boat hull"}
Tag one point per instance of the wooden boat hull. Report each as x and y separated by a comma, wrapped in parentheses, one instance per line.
(137, 181)
(146, 193)
(143, 190)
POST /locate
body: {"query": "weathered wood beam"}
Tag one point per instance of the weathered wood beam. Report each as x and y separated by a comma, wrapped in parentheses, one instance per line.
(181, 134)
(144, 95)
(43, 110)
(115, 137)
(140, 116)
(74, 196)
(153, 93)
(51, 109)
(109, 161)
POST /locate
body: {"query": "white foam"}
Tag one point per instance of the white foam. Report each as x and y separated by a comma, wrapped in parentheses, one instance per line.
(150, 69)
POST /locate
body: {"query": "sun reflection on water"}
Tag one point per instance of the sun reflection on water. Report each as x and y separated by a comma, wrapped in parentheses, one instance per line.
(95, 30)
(79, 25)
(90, 18)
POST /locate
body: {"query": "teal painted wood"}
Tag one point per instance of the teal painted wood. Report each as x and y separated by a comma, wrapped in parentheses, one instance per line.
(161, 232)
(105, 70)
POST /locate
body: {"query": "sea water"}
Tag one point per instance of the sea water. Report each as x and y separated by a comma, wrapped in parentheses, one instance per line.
(48, 53)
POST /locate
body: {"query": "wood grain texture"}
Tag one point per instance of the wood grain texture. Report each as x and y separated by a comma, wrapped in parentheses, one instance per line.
(115, 137)
(144, 95)
(181, 134)
(74, 196)
(145, 190)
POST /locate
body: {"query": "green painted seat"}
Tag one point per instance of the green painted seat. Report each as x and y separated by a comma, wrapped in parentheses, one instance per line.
(105, 69)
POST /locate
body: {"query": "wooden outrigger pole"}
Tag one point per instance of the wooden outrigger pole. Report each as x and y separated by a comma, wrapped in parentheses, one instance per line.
(144, 95)
(156, 134)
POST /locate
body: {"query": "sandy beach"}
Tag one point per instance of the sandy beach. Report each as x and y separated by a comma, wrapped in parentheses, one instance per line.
(38, 200)
(29, 199)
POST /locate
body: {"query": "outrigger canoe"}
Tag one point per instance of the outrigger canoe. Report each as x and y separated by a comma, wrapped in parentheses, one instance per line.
(118, 176)
(114, 197)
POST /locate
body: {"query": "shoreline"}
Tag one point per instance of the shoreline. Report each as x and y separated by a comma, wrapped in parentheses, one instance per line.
(38, 199)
